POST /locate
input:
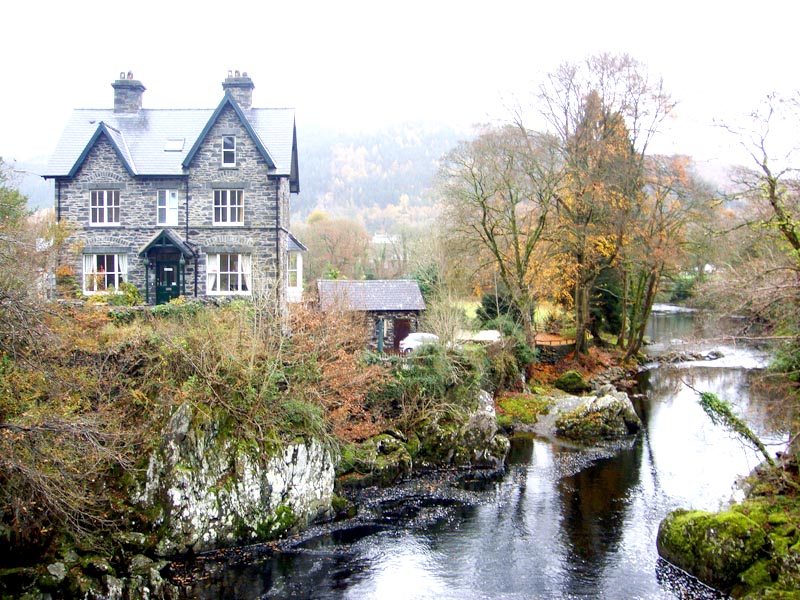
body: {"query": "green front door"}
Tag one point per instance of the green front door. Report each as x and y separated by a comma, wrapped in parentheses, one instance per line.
(168, 281)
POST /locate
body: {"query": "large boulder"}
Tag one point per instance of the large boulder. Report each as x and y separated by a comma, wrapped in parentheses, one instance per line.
(205, 489)
(607, 415)
(714, 547)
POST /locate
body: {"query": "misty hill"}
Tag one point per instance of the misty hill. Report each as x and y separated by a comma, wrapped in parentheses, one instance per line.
(25, 175)
(378, 177)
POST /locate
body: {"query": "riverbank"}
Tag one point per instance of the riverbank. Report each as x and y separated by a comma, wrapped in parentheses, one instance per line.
(751, 549)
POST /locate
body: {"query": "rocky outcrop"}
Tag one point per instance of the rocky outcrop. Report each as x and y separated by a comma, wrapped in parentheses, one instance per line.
(470, 441)
(207, 490)
(607, 414)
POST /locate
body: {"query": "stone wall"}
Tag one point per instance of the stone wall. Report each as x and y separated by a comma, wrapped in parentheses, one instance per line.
(550, 355)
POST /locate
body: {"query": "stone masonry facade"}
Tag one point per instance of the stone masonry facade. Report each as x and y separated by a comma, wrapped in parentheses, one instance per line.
(263, 235)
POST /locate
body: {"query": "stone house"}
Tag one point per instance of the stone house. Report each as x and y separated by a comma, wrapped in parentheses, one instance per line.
(392, 306)
(191, 202)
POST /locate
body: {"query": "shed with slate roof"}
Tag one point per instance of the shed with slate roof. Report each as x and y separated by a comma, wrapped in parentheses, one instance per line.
(191, 202)
(392, 306)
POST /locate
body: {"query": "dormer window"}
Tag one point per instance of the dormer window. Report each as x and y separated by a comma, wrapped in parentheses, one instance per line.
(228, 150)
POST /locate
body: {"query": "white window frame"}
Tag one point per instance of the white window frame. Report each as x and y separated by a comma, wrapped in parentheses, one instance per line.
(294, 270)
(167, 208)
(228, 150)
(104, 208)
(228, 207)
(229, 274)
(103, 273)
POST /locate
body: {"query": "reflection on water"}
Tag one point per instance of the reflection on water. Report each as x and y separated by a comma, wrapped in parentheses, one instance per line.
(562, 523)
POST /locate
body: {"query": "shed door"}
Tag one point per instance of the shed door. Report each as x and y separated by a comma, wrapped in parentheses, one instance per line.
(402, 327)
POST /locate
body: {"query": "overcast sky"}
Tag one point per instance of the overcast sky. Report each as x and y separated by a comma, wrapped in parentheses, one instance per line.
(346, 64)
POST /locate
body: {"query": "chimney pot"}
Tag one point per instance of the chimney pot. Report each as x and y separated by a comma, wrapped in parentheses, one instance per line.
(241, 88)
(127, 94)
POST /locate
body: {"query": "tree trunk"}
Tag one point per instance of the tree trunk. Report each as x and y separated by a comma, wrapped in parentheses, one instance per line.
(624, 311)
(647, 305)
(581, 316)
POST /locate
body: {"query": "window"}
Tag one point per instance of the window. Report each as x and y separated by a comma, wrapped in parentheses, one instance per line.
(228, 207)
(229, 274)
(292, 270)
(167, 208)
(228, 150)
(104, 207)
(103, 273)
(174, 145)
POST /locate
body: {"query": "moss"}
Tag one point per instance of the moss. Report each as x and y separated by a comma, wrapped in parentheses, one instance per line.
(579, 425)
(572, 382)
(716, 548)
(413, 445)
(281, 522)
(521, 408)
(757, 575)
(380, 460)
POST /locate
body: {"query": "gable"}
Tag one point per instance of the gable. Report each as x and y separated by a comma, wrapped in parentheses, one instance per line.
(116, 141)
(229, 103)
(141, 140)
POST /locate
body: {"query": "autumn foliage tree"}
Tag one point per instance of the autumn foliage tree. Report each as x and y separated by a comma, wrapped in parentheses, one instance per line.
(335, 246)
(604, 112)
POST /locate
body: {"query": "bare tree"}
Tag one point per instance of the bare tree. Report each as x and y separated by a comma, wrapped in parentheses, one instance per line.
(498, 193)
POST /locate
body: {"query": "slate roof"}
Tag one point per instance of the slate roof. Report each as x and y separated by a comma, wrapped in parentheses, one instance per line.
(370, 295)
(140, 139)
(296, 245)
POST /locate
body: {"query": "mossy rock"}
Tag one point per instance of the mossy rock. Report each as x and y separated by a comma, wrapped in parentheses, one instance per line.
(572, 382)
(608, 417)
(714, 547)
(521, 409)
(380, 460)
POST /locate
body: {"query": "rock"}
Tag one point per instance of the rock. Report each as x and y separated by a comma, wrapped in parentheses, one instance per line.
(607, 416)
(714, 547)
(479, 435)
(131, 540)
(140, 565)
(207, 490)
(58, 571)
(445, 441)
(572, 382)
(380, 460)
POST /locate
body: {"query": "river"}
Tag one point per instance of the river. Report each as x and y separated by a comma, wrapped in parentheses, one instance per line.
(562, 523)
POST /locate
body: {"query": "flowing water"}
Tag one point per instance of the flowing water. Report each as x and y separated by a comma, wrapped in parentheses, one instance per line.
(563, 522)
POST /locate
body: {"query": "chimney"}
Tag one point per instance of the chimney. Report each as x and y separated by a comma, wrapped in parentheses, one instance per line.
(241, 87)
(127, 94)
